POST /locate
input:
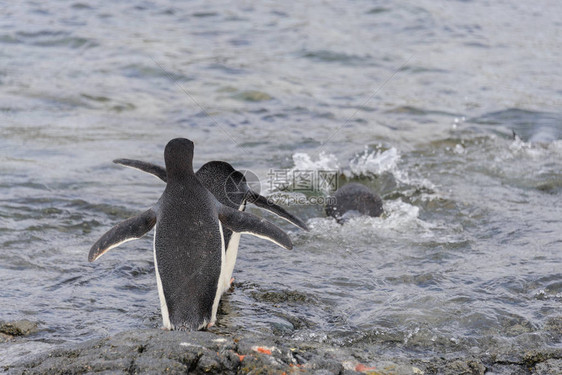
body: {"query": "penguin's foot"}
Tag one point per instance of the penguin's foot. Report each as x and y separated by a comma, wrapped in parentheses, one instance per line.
(210, 325)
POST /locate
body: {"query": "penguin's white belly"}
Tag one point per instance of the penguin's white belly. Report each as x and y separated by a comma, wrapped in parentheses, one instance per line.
(230, 261)
(221, 277)
(231, 253)
(163, 304)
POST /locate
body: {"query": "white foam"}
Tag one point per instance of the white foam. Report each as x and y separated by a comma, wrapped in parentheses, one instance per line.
(374, 162)
(518, 145)
(325, 161)
(534, 150)
(459, 149)
(401, 216)
(303, 163)
(367, 164)
(398, 216)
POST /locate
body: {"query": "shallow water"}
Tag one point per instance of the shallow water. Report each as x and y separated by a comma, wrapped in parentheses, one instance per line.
(418, 100)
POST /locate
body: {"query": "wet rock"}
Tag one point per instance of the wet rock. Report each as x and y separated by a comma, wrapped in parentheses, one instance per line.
(554, 326)
(283, 296)
(326, 372)
(4, 337)
(509, 360)
(533, 357)
(22, 327)
(457, 366)
(550, 366)
(507, 369)
(466, 367)
(154, 351)
(158, 351)
(326, 365)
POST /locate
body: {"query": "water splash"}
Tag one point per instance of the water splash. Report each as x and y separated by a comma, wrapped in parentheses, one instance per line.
(305, 172)
(398, 216)
(374, 162)
(369, 164)
(325, 161)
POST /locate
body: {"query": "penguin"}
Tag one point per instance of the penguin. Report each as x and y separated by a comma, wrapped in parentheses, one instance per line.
(189, 247)
(230, 188)
(351, 200)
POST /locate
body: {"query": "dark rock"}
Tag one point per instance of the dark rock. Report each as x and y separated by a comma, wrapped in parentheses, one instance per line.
(327, 366)
(154, 351)
(507, 369)
(4, 337)
(459, 366)
(455, 366)
(548, 367)
(554, 326)
(18, 328)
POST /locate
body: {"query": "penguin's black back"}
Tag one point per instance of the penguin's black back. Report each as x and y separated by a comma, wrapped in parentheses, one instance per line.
(188, 247)
(354, 197)
(188, 241)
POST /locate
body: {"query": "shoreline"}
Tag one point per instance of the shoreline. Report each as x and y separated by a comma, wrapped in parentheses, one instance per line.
(174, 352)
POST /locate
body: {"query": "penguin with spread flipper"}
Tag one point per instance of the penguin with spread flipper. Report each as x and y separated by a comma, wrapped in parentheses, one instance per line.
(189, 247)
(231, 188)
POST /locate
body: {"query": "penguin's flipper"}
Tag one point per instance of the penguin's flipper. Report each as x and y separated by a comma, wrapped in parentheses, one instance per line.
(143, 166)
(264, 203)
(243, 222)
(130, 229)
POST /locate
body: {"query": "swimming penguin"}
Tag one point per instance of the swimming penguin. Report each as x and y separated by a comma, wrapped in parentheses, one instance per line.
(353, 199)
(230, 188)
(189, 248)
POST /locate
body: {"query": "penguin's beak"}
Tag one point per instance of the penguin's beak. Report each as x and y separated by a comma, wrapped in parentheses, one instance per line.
(264, 203)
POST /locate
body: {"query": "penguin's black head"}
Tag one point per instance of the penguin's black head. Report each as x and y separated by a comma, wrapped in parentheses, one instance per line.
(215, 170)
(225, 182)
(178, 156)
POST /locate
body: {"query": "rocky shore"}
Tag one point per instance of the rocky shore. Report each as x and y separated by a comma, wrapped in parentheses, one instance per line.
(8, 330)
(154, 351)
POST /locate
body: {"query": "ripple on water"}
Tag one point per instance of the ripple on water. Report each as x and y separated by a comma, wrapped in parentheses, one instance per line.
(48, 38)
(336, 57)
